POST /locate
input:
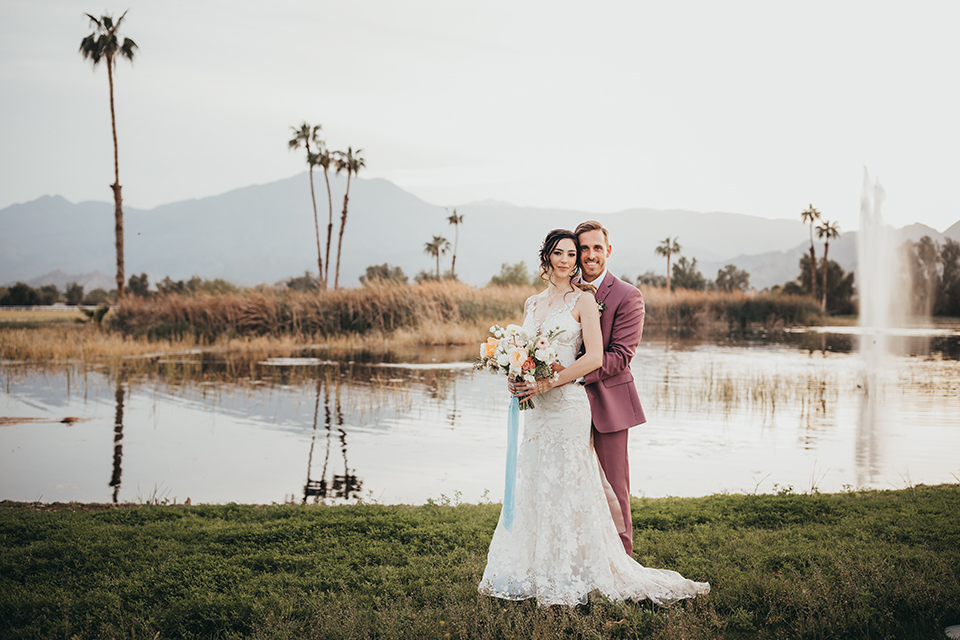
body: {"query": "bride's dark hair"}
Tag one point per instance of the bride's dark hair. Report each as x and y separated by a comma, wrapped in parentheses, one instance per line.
(549, 244)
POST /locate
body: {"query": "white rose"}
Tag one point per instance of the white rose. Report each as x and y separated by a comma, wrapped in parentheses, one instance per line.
(503, 359)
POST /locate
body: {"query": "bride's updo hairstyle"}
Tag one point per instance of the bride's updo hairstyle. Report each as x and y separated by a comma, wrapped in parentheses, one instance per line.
(549, 244)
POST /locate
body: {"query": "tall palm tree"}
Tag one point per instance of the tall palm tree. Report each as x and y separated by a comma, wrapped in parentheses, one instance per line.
(304, 135)
(667, 248)
(811, 215)
(436, 247)
(104, 44)
(456, 221)
(826, 231)
(324, 158)
(351, 163)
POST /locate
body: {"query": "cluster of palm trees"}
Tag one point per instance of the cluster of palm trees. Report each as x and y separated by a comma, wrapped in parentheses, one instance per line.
(319, 155)
(439, 245)
(826, 231)
(104, 44)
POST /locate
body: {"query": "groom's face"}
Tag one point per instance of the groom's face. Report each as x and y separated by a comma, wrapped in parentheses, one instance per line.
(594, 251)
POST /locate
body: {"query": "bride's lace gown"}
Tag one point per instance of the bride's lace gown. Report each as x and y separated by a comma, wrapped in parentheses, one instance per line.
(564, 544)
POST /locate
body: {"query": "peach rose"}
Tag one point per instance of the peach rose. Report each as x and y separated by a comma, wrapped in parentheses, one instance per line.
(517, 357)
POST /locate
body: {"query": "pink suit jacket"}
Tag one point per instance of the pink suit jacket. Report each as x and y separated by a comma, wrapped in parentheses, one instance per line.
(614, 402)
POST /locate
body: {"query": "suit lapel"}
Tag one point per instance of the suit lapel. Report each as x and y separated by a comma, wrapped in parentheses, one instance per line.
(605, 287)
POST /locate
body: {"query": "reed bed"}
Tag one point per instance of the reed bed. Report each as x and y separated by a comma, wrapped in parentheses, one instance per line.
(429, 313)
(372, 318)
(713, 389)
(685, 308)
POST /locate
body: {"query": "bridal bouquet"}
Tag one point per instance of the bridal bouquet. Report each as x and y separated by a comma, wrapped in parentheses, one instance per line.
(521, 356)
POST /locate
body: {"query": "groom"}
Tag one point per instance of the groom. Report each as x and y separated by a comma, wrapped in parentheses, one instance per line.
(614, 403)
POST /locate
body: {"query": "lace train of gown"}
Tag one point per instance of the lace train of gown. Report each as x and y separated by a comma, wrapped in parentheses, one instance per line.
(564, 545)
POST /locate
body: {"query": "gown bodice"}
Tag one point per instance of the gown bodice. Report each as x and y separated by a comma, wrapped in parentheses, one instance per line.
(541, 317)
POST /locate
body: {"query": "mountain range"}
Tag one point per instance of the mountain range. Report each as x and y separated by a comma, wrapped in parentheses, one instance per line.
(265, 233)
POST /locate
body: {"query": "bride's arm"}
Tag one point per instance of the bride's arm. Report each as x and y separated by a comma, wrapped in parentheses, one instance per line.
(592, 357)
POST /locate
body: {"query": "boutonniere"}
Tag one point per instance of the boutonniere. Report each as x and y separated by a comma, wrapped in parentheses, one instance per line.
(601, 306)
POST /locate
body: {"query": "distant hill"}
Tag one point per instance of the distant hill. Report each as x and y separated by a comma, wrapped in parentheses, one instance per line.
(265, 233)
(60, 278)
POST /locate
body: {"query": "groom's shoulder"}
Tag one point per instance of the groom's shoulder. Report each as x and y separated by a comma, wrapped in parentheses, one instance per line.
(625, 289)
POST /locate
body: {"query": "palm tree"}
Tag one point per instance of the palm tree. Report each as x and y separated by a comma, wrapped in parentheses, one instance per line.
(351, 163)
(438, 246)
(666, 248)
(456, 221)
(304, 135)
(826, 231)
(323, 158)
(811, 215)
(104, 44)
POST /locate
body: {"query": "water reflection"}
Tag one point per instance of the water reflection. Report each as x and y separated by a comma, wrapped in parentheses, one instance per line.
(117, 437)
(868, 455)
(345, 486)
(721, 415)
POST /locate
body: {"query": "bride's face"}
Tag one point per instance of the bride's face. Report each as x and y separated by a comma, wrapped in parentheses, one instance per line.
(563, 258)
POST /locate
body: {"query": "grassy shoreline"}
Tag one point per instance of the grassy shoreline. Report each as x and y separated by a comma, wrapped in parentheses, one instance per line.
(858, 564)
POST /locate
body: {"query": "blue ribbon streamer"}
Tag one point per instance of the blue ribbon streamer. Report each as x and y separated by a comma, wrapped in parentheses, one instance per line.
(509, 490)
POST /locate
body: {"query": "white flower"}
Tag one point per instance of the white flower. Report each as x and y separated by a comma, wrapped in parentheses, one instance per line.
(547, 356)
(502, 359)
(514, 330)
(542, 343)
(529, 377)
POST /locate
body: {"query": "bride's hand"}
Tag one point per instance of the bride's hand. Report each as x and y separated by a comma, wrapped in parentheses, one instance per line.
(527, 390)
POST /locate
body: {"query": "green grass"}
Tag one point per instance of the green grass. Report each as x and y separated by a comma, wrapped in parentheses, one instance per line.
(863, 564)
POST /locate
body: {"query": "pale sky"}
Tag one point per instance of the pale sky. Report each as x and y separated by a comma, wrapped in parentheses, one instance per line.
(748, 107)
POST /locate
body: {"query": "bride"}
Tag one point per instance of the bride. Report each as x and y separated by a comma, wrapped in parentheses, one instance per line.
(564, 545)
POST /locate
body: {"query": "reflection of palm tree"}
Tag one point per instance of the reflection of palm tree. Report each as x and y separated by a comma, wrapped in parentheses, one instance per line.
(344, 486)
(348, 485)
(456, 221)
(436, 247)
(826, 231)
(317, 488)
(118, 439)
(351, 163)
(811, 215)
(108, 47)
(304, 135)
(667, 248)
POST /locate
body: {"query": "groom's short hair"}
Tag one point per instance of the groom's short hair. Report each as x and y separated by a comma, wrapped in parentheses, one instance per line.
(592, 225)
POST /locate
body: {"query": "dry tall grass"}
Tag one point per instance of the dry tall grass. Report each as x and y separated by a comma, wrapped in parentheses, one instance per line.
(431, 313)
(376, 317)
(687, 308)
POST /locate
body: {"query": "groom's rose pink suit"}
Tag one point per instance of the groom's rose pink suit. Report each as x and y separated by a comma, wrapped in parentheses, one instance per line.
(614, 402)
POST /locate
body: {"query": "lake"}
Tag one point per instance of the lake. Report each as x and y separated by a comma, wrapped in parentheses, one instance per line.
(733, 413)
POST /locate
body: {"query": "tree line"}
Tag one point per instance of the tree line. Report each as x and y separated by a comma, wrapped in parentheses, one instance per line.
(932, 275)
(23, 295)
